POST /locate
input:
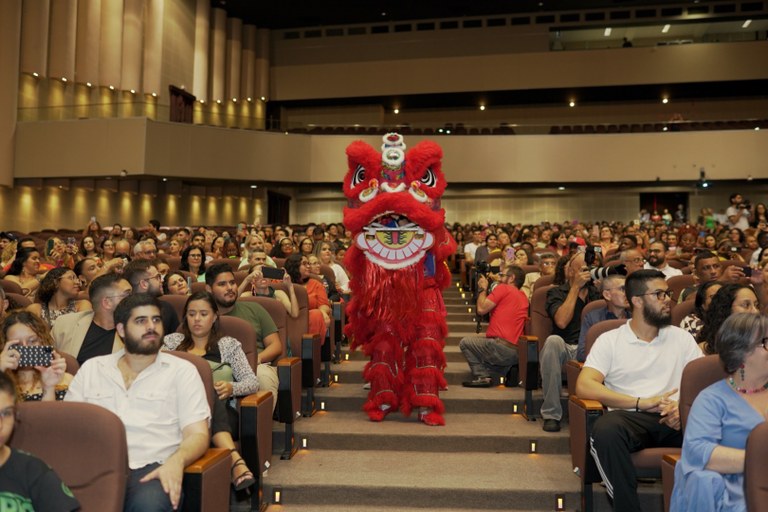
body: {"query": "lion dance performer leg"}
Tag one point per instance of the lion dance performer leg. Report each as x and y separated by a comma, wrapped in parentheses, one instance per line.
(397, 262)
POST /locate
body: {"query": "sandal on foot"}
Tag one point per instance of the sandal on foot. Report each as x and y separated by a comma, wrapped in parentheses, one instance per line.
(243, 481)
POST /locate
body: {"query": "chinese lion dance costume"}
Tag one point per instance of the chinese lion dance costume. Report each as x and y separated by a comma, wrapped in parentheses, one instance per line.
(397, 261)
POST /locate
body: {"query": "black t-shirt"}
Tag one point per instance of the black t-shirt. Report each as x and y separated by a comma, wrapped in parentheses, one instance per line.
(555, 298)
(27, 483)
(97, 342)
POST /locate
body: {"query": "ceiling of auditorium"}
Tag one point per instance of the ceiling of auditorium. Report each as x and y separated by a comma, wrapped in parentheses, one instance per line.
(280, 14)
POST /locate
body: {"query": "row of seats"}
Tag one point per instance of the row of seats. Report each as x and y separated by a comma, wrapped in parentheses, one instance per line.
(448, 129)
(675, 126)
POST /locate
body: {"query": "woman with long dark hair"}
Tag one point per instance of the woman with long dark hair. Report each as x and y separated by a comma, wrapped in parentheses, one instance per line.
(297, 267)
(24, 271)
(694, 322)
(193, 261)
(729, 300)
(57, 296)
(232, 374)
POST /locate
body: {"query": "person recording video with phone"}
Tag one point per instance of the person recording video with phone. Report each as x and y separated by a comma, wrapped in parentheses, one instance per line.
(256, 284)
(739, 212)
(29, 359)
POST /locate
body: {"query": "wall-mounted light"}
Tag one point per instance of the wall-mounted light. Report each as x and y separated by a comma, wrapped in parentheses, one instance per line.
(501, 380)
(234, 100)
(88, 84)
(304, 443)
(248, 99)
(665, 28)
(346, 357)
(746, 24)
(277, 495)
(665, 129)
(469, 310)
(515, 408)
(154, 95)
(757, 128)
(322, 406)
(218, 101)
(254, 186)
(607, 31)
(165, 179)
(533, 446)
(111, 87)
(561, 188)
(463, 295)
(336, 377)
(448, 132)
(133, 91)
(64, 79)
(559, 502)
(35, 74)
(202, 102)
(263, 98)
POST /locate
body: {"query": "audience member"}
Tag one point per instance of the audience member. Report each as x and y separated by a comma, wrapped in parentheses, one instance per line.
(221, 283)
(57, 296)
(27, 482)
(92, 333)
(162, 439)
(153, 228)
(175, 283)
(193, 260)
(710, 473)
(24, 271)
(145, 278)
(470, 249)
(547, 262)
(564, 305)
(729, 299)
(632, 260)
(496, 352)
(738, 212)
(297, 267)
(324, 253)
(616, 306)
(232, 374)
(694, 322)
(657, 260)
(643, 411)
(707, 267)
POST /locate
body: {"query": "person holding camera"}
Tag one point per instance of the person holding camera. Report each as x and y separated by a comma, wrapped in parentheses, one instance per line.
(564, 305)
(497, 351)
(739, 212)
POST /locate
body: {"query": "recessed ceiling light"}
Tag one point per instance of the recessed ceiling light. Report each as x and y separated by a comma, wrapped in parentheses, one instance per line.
(133, 91)
(234, 100)
(218, 101)
(665, 29)
(64, 79)
(396, 111)
(263, 98)
(665, 100)
(607, 31)
(561, 188)
(249, 99)
(571, 103)
(482, 107)
(154, 95)
(746, 24)
(35, 74)
(88, 84)
(111, 87)
(757, 128)
(254, 186)
(665, 128)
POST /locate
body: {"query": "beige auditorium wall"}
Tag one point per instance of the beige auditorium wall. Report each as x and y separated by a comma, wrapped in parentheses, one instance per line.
(32, 209)
(102, 147)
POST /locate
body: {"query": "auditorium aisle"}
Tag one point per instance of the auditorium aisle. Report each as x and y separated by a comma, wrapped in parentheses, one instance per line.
(479, 461)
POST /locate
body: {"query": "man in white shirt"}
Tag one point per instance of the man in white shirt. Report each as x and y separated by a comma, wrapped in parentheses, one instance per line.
(471, 248)
(160, 398)
(737, 213)
(657, 260)
(635, 371)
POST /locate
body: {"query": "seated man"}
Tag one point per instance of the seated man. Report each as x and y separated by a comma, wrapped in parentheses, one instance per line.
(159, 397)
(657, 260)
(89, 334)
(635, 371)
(220, 281)
(564, 305)
(612, 288)
(632, 259)
(547, 262)
(497, 351)
(145, 278)
(707, 267)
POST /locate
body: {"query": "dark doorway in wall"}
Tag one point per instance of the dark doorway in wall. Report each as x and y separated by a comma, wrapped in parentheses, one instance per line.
(278, 206)
(660, 201)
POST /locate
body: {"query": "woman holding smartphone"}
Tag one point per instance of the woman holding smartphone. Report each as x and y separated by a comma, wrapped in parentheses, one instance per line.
(20, 332)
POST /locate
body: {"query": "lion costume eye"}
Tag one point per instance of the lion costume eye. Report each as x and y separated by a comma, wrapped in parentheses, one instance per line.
(359, 176)
(429, 178)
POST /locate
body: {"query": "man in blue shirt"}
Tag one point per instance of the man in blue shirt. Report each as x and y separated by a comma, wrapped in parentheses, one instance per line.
(616, 306)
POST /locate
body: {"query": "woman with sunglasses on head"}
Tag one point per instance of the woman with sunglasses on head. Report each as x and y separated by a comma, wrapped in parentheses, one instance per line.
(232, 374)
(22, 328)
(710, 473)
(58, 296)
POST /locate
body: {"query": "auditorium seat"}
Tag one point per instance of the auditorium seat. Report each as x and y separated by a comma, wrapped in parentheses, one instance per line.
(16, 300)
(573, 367)
(529, 346)
(84, 444)
(697, 375)
(591, 306)
(10, 287)
(755, 477)
(679, 283)
(683, 309)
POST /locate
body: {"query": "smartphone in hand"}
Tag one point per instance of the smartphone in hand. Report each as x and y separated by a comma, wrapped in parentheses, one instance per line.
(34, 355)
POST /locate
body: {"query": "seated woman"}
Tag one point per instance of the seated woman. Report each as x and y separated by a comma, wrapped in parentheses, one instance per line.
(174, 248)
(58, 254)
(256, 285)
(58, 296)
(88, 249)
(193, 261)
(24, 271)
(730, 299)
(694, 322)
(217, 248)
(710, 473)
(324, 252)
(232, 374)
(107, 250)
(282, 249)
(22, 328)
(297, 267)
(175, 283)
(35, 485)
(306, 246)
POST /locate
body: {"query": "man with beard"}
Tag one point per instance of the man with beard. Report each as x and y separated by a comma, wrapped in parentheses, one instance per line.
(657, 260)
(159, 397)
(221, 283)
(145, 278)
(635, 371)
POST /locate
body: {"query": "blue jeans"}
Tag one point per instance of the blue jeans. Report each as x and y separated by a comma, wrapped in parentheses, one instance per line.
(147, 496)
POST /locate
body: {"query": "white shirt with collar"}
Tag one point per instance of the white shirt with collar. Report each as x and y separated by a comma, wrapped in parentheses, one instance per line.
(166, 397)
(668, 270)
(640, 368)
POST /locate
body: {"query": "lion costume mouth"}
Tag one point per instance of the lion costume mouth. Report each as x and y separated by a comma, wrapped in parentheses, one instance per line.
(393, 241)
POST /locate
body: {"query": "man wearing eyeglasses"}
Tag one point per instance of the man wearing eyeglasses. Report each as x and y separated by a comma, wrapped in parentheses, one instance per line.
(616, 306)
(635, 371)
(657, 260)
(88, 334)
(145, 278)
(632, 259)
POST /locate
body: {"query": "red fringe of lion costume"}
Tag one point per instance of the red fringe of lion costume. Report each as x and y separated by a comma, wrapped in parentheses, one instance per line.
(397, 262)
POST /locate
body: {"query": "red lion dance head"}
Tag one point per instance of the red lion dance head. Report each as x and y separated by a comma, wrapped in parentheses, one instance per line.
(397, 262)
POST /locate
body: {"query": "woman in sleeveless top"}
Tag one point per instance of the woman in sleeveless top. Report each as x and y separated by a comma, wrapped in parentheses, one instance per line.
(58, 296)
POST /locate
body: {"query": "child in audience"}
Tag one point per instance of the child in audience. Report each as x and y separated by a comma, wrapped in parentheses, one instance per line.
(27, 482)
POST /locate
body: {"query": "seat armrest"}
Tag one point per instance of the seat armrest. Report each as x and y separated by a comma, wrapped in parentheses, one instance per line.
(528, 361)
(256, 430)
(582, 415)
(289, 389)
(671, 458)
(668, 462)
(572, 371)
(587, 405)
(310, 359)
(207, 482)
